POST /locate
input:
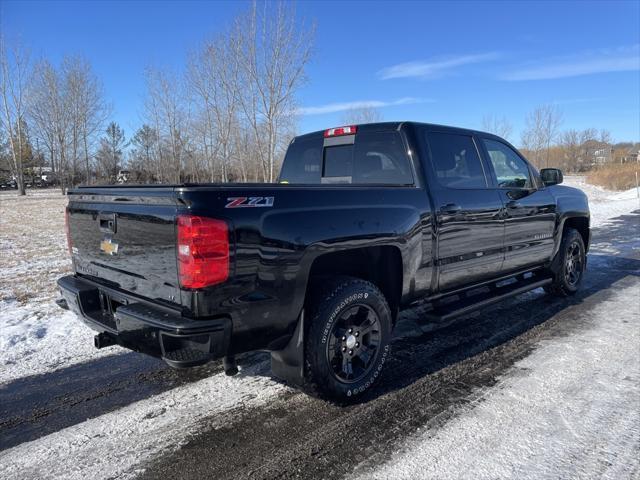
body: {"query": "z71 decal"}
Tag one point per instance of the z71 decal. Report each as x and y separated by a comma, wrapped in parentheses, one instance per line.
(245, 202)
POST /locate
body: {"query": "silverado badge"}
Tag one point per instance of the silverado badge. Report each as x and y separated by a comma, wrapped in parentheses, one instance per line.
(109, 247)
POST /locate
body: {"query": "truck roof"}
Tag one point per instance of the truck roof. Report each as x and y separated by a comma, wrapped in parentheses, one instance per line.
(390, 126)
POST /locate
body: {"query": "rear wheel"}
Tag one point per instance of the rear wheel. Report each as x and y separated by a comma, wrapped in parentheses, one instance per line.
(571, 265)
(347, 341)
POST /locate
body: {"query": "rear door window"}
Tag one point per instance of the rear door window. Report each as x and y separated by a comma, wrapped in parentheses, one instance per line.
(456, 161)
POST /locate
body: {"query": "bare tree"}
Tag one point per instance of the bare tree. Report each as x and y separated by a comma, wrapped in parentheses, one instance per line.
(572, 149)
(87, 110)
(542, 128)
(15, 69)
(110, 154)
(165, 111)
(361, 115)
(499, 126)
(213, 74)
(273, 50)
(142, 156)
(50, 111)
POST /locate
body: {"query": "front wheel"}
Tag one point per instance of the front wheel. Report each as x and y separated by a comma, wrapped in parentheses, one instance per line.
(572, 262)
(347, 341)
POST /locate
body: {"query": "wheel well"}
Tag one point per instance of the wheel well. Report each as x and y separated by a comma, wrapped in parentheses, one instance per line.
(380, 265)
(581, 224)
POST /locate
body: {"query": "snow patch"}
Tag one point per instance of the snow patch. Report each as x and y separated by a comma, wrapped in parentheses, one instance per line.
(37, 338)
(112, 445)
(604, 204)
(573, 415)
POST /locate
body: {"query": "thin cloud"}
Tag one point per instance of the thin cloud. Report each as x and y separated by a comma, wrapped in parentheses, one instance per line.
(344, 106)
(570, 101)
(435, 67)
(623, 59)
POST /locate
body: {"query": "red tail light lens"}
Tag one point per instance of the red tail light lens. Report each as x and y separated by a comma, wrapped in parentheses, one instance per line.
(203, 251)
(67, 230)
(339, 131)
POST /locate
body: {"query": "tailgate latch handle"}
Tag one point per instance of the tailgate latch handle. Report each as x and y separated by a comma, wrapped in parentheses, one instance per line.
(107, 222)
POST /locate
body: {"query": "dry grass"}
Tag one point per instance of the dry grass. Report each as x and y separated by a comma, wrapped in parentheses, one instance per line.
(33, 245)
(615, 177)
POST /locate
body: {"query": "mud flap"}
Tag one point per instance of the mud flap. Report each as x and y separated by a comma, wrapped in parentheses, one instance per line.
(288, 364)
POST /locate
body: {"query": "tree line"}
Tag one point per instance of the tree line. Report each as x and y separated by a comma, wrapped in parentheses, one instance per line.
(545, 144)
(227, 116)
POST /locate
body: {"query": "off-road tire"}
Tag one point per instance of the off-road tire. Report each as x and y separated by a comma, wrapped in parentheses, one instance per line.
(331, 308)
(571, 264)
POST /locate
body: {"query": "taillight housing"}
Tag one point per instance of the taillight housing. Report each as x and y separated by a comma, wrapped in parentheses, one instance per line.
(67, 230)
(203, 251)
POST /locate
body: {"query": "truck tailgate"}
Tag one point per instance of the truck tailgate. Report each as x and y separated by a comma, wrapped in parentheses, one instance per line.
(126, 237)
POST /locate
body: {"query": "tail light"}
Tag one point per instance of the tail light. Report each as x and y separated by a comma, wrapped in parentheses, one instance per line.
(203, 251)
(67, 230)
(339, 131)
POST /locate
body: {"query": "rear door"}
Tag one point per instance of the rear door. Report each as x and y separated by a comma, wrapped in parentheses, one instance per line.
(530, 210)
(125, 238)
(470, 228)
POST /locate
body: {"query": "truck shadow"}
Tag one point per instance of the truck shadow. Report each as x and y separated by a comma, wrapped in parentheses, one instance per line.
(35, 406)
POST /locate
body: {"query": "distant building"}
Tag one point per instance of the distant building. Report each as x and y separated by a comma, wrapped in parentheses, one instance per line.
(123, 176)
(626, 155)
(602, 156)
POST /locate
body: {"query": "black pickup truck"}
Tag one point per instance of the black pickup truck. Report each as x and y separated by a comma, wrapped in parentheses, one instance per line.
(365, 220)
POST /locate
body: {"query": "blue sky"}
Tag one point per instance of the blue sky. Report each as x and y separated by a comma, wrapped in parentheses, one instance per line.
(450, 63)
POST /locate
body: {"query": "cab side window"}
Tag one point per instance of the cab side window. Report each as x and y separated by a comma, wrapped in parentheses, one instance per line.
(511, 170)
(456, 161)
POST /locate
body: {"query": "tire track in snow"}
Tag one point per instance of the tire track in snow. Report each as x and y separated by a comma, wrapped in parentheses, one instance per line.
(112, 445)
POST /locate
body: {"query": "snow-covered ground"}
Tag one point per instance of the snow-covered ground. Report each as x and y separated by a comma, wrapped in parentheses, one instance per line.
(542, 423)
(112, 445)
(604, 204)
(36, 336)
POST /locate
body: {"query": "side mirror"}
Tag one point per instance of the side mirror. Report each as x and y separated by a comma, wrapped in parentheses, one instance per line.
(551, 176)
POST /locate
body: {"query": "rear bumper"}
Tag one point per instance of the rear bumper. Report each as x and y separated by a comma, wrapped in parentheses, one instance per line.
(145, 327)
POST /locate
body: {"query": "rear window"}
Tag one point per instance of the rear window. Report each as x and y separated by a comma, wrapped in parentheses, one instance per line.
(456, 161)
(375, 158)
(303, 161)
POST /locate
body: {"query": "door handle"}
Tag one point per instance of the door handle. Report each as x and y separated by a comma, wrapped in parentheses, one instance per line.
(514, 204)
(450, 209)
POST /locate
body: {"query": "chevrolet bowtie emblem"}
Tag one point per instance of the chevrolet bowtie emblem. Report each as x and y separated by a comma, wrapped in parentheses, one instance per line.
(109, 247)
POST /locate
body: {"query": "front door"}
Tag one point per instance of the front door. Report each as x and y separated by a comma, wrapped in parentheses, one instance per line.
(470, 227)
(529, 208)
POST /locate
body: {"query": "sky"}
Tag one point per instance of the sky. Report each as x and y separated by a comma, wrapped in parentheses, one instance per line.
(451, 63)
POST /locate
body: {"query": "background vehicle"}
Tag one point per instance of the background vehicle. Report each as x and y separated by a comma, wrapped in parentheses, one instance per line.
(367, 220)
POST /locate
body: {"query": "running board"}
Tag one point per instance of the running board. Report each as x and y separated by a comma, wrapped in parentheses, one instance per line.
(468, 304)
